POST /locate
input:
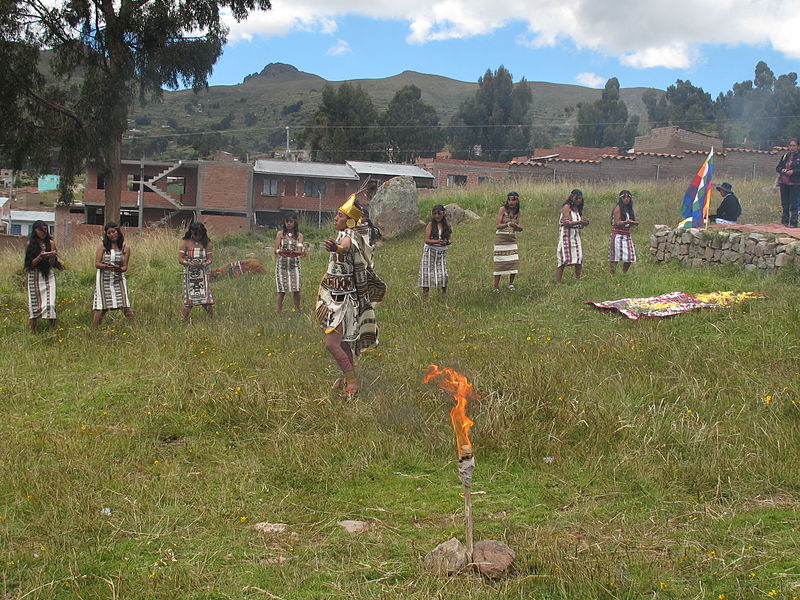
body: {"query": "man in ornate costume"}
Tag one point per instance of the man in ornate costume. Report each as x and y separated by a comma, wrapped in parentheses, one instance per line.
(347, 294)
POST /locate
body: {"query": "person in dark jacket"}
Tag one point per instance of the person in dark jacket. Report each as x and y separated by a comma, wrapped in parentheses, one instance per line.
(730, 209)
(789, 183)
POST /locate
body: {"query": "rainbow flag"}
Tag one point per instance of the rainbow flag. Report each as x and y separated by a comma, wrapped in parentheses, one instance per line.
(698, 195)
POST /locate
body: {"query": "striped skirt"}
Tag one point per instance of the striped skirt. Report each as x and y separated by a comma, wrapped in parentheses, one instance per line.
(110, 287)
(620, 247)
(506, 253)
(433, 268)
(287, 274)
(41, 295)
(570, 249)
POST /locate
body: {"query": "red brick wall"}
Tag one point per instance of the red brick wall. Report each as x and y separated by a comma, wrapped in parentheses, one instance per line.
(222, 224)
(225, 186)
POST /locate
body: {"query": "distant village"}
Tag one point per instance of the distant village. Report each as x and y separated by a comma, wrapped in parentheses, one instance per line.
(233, 196)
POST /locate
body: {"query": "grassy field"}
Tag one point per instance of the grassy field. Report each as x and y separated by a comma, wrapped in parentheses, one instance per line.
(619, 459)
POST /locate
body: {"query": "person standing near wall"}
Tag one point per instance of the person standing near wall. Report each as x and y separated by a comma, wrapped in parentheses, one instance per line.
(789, 183)
(41, 257)
(111, 287)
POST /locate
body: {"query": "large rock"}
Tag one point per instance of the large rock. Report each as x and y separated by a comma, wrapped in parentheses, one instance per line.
(493, 559)
(457, 215)
(448, 558)
(395, 207)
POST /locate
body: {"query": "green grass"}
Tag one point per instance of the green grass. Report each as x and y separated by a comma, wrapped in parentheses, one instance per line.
(674, 442)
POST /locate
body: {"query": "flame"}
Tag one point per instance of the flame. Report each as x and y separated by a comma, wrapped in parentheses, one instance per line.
(461, 389)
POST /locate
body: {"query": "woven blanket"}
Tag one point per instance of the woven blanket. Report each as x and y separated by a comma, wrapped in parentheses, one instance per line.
(239, 267)
(674, 303)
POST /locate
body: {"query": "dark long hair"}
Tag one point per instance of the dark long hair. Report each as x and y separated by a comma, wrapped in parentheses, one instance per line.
(33, 250)
(447, 231)
(625, 210)
(292, 217)
(120, 238)
(571, 201)
(198, 229)
(508, 208)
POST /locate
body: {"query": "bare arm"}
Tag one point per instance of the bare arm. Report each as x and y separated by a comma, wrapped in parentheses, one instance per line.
(98, 258)
(500, 214)
(428, 231)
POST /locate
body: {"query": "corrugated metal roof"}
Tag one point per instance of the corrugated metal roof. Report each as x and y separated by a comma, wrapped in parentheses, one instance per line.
(32, 215)
(305, 169)
(376, 168)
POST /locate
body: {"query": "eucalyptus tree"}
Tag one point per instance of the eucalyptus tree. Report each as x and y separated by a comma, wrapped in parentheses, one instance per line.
(494, 119)
(72, 69)
(411, 126)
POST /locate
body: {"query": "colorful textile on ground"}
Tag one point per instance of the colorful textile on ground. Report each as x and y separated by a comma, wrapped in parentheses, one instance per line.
(698, 194)
(110, 287)
(41, 294)
(506, 251)
(196, 279)
(239, 267)
(674, 303)
(433, 267)
(348, 292)
(287, 268)
(570, 248)
(620, 247)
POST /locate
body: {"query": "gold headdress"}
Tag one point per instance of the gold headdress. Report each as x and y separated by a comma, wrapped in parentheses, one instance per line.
(352, 211)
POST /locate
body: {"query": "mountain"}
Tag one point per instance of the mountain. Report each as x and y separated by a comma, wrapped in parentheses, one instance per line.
(253, 116)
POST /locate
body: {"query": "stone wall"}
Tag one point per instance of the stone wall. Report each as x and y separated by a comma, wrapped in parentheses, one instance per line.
(701, 247)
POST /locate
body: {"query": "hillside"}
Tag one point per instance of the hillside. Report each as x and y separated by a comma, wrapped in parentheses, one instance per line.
(255, 113)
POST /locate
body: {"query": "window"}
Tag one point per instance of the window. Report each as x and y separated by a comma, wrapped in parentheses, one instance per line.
(16, 229)
(454, 180)
(315, 189)
(176, 186)
(483, 180)
(270, 187)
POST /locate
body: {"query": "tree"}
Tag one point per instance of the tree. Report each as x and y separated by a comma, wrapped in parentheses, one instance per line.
(605, 122)
(344, 126)
(762, 112)
(410, 125)
(77, 97)
(495, 118)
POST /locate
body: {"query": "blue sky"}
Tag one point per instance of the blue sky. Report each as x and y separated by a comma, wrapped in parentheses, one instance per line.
(642, 43)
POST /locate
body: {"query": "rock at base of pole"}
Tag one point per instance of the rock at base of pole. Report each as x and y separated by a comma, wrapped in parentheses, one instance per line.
(493, 559)
(448, 558)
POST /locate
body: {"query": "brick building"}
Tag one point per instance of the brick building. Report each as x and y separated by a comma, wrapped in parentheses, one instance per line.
(451, 172)
(675, 140)
(310, 188)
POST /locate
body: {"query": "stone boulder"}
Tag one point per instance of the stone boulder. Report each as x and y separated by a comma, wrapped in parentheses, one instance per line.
(457, 215)
(395, 207)
(353, 526)
(493, 559)
(448, 558)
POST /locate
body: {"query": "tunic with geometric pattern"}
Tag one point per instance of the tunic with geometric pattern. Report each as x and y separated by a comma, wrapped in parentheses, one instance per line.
(570, 249)
(287, 268)
(196, 279)
(110, 286)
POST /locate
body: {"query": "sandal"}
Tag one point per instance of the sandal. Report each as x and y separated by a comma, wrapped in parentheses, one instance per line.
(351, 389)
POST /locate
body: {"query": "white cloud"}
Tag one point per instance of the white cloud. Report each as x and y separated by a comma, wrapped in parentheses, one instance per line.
(641, 34)
(341, 47)
(591, 79)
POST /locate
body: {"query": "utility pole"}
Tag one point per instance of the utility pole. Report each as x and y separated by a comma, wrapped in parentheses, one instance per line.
(287, 142)
(141, 193)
